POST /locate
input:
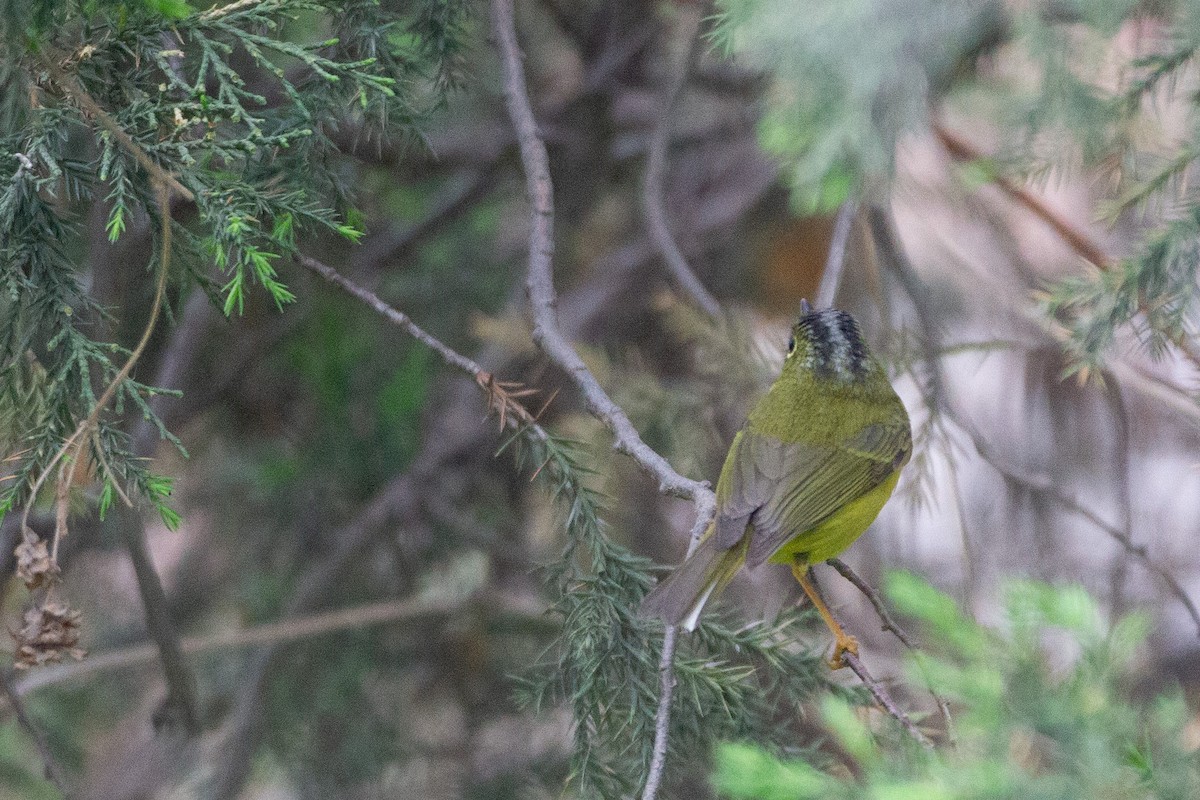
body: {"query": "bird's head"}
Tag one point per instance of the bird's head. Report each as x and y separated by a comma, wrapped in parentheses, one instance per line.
(830, 345)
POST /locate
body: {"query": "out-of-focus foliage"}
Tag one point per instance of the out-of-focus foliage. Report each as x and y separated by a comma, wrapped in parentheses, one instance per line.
(849, 78)
(1045, 706)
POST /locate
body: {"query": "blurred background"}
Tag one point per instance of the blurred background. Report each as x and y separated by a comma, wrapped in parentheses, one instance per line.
(361, 582)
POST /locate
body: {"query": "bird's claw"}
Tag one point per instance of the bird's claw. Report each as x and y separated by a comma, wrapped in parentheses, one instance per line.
(844, 644)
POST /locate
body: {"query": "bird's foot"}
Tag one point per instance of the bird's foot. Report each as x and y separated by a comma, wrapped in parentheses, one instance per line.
(844, 644)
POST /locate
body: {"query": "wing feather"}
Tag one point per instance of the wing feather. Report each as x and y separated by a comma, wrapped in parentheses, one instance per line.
(787, 488)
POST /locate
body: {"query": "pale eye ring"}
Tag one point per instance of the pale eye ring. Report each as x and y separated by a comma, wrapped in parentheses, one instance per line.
(791, 345)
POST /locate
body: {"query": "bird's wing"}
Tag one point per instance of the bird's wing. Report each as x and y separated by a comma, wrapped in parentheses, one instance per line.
(787, 488)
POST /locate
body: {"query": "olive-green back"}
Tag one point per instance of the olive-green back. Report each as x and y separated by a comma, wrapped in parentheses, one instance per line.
(811, 445)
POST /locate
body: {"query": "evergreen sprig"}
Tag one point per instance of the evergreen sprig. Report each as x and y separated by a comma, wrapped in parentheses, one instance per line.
(231, 107)
(604, 665)
(1155, 291)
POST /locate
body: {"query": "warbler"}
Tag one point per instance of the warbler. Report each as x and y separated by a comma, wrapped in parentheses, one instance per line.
(808, 472)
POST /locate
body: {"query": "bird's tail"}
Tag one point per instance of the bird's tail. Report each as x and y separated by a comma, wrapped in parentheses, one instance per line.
(679, 598)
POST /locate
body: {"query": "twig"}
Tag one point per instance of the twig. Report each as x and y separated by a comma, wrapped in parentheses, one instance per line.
(1128, 375)
(1077, 240)
(835, 261)
(54, 772)
(654, 203)
(246, 726)
(869, 592)
(662, 719)
(71, 85)
(666, 677)
(502, 396)
(180, 705)
(1045, 485)
(396, 317)
(79, 437)
(540, 281)
(884, 699)
(877, 690)
(546, 333)
(890, 624)
(271, 633)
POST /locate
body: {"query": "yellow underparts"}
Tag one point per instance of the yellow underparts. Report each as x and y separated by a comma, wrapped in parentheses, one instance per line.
(838, 532)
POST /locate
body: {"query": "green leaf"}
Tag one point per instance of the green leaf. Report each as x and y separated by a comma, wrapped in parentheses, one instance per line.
(170, 517)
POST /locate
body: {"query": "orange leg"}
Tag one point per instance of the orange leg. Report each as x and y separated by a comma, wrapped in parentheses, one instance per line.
(845, 643)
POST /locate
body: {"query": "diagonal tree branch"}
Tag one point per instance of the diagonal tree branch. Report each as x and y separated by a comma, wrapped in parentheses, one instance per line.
(882, 697)
(540, 279)
(1042, 484)
(546, 333)
(654, 201)
(1045, 484)
(1079, 241)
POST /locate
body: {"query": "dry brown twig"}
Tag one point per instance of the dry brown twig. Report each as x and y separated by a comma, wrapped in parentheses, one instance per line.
(503, 397)
(1044, 484)
(55, 616)
(888, 623)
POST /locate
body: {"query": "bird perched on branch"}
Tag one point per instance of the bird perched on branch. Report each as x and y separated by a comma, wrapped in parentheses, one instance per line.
(809, 471)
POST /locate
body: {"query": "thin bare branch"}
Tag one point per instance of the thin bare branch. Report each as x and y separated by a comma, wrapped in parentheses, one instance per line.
(835, 260)
(54, 772)
(662, 718)
(396, 317)
(1128, 375)
(1044, 484)
(71, 85)
(180, 707)
(884, 699)
(546, 333)
(271, 633)
(869, 592)
(502, 396)
(877, 689)
(962, 150)
(1077, 240)
(685, 41)
(540, 281)
(80, 436)
(889, 624)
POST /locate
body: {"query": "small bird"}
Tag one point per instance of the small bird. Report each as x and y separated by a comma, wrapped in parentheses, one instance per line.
(808, 472)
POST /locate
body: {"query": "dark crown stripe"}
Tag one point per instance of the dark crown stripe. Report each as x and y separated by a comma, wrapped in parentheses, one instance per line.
(818, 341)
(857, 356)
(835, 344)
